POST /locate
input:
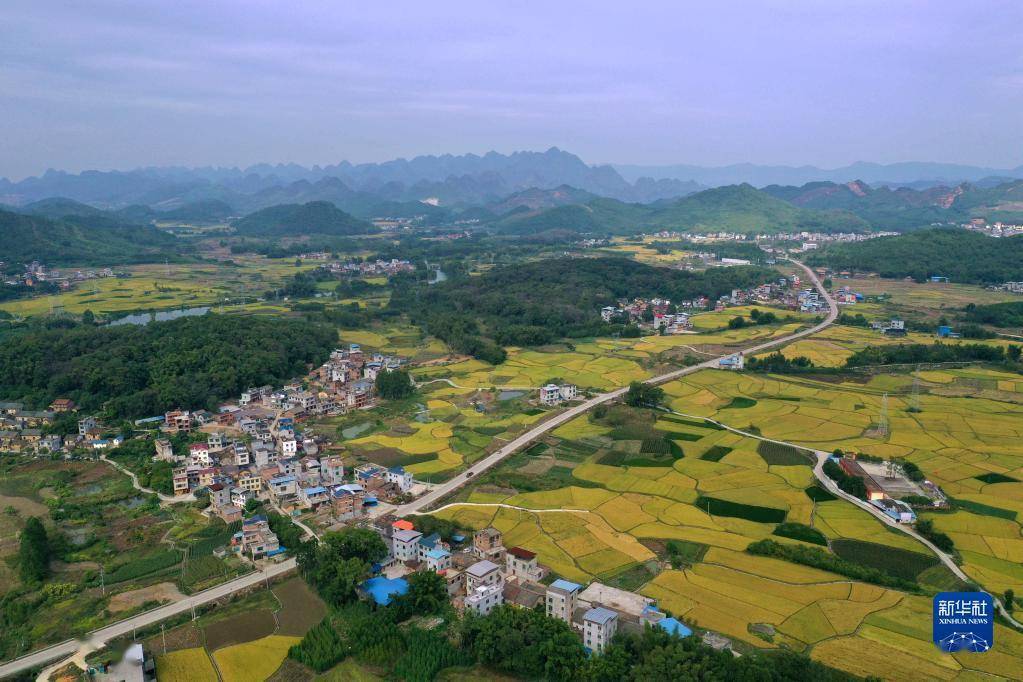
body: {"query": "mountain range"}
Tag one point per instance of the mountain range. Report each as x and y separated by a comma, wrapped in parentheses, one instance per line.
(918, 175)
(371, 189)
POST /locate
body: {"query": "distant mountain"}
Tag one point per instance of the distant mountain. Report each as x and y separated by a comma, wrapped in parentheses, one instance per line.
(960, 255)
(295, 220)
(874, 173)
(59, 207)
(904, 208)
(80, 240)
(369, 189)
(735, 208)
(535, 199)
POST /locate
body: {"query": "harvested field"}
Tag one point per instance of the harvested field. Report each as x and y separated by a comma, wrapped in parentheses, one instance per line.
(241, 627)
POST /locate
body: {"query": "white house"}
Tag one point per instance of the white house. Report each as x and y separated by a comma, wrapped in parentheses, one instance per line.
(482, 573)
(400, 477)
(437, 559)
(561, 599)
(484, 598)
(405, 545)
(599, 628)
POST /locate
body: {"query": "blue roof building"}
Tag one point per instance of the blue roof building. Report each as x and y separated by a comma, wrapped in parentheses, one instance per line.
(383, 590)
(673, 627)
(566, 585)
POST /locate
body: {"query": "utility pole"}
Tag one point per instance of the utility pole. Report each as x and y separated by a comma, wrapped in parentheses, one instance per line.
(916, 390)
(163, 634)
(882, 426)
(102, 580)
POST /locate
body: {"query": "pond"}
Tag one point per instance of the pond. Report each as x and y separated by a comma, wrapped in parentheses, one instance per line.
(354, 431)
(142, 319)
(510, 395)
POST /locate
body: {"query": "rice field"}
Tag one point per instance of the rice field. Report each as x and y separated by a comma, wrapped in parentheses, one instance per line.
(965, 438)
(608, 519)
(255, 660)
(185, 665)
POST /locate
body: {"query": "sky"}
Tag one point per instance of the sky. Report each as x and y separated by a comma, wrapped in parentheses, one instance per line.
(121, 84)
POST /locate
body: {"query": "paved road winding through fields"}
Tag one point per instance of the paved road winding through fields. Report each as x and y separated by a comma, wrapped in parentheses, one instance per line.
(424, 502)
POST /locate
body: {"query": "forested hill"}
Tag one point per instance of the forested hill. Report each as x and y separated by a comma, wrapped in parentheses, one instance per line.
(80, 240)
(191, 362)
(543, 301)
(293, 220)
(961, 255)
(735, 208)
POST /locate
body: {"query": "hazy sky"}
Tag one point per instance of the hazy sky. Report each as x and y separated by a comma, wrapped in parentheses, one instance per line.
(110, 84)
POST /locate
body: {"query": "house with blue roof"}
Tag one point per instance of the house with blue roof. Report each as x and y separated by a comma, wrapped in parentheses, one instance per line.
(399, 477)
(674, 627)
(599, 628)
(437, 560)
(313, 497)
(561, 599)
(383, 590)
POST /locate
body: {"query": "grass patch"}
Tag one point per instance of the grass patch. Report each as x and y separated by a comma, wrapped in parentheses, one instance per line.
(740, 403)
(984, 509)
(634, 577)
(900, 563)
(738, 510)
(683, 553)
(715, 453)
(799, 531)
(996, 478)
(691, 422)
(819, 494)
(782, 455)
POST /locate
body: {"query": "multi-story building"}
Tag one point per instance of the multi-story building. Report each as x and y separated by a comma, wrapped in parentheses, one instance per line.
(599, 628)
(482, 573)
(405, 545)
(399, 477)
(488, 544)
(561, 599)
(484, 599)
(522, 563)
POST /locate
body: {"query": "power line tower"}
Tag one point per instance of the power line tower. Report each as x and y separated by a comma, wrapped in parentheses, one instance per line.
(882, 424)
(915, 403)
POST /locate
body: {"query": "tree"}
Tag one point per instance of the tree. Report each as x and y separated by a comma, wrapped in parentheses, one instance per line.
(427, 593)
(253, 506)
(1009, 598)
(88, 317)
(1014, 352)
(34, 552)
(643, 395)
(356, 543)
(394, 385)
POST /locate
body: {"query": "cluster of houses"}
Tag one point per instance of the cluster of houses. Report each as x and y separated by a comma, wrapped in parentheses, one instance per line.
(269, 459)
(661, 316)
(36, 273)
(892, 327)
(996, 229)
(25, 431)
(887, 487)
(486, 574)
(846, 296)
(376, 268)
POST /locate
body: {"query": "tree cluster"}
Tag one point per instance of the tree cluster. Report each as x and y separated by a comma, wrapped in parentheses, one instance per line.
(138, 371)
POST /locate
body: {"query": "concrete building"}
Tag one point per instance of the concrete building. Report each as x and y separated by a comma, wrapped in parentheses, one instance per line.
(405, 545)
(561, 599)
(488, 544)
(599, 628)
(523, 564)
(484, 599)
(482, 573)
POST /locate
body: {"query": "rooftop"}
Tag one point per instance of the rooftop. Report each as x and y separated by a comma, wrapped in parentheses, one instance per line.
(600, 615)
(383, 589)
(567, 586)
(521, 553)
(482, 568)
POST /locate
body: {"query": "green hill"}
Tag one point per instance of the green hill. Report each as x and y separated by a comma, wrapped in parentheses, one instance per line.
(80, 240)
(735, 208)
(743, 208)
(294, 220)
(960, 255)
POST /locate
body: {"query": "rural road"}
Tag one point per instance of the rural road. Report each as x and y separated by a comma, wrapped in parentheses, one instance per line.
(424, 502)
(168, 499)
(125, 627)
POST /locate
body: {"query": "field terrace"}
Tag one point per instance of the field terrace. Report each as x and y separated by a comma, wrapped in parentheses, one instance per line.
(599, 501)
(966, 438)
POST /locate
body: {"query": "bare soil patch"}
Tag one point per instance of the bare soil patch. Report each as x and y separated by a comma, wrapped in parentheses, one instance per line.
(161, 592)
